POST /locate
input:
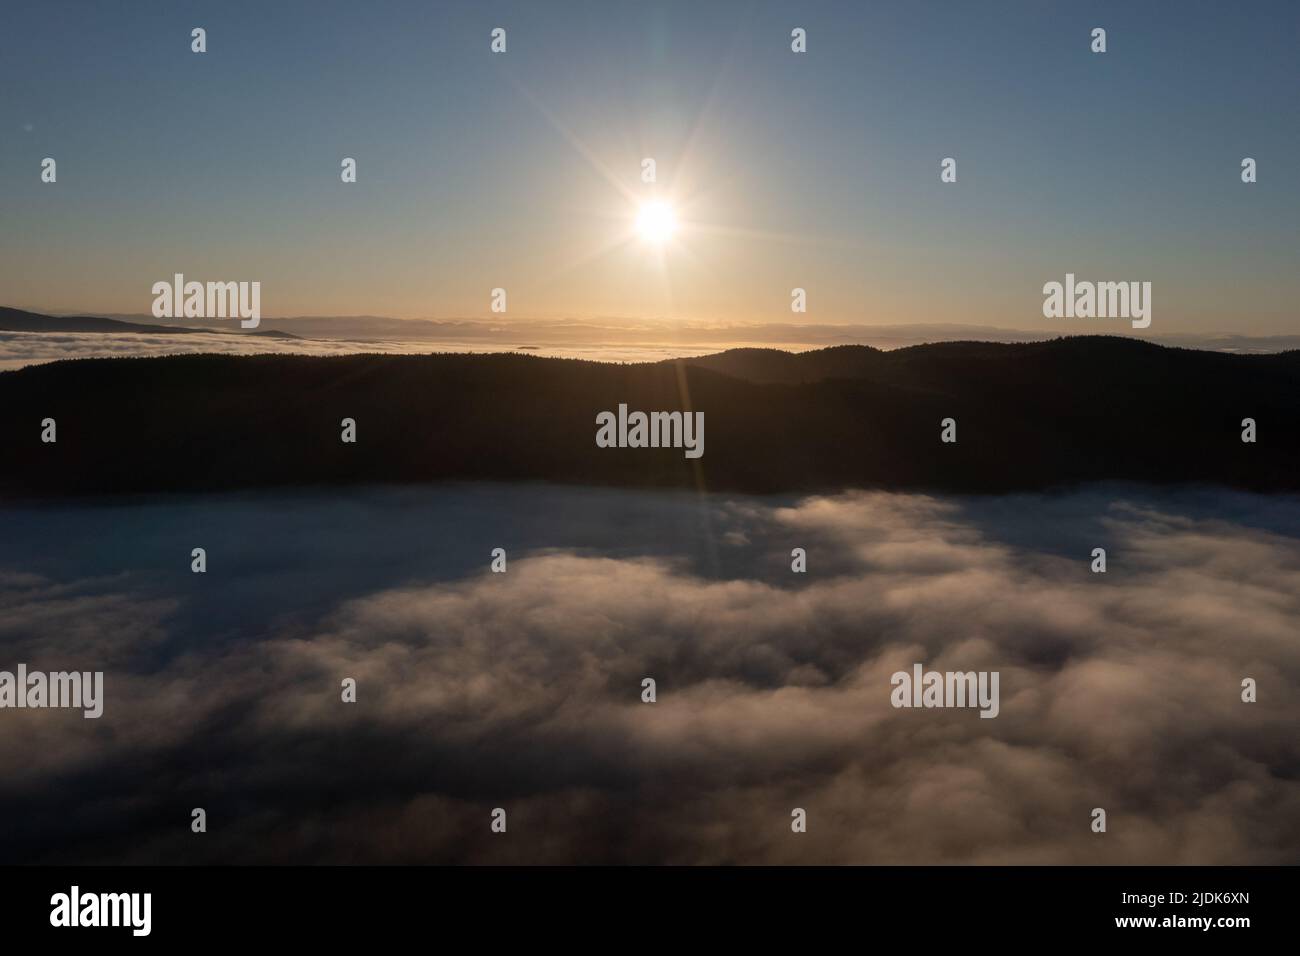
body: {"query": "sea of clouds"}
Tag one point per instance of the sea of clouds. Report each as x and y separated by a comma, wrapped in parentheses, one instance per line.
(20, 349)
(522, 690)
(602, 343)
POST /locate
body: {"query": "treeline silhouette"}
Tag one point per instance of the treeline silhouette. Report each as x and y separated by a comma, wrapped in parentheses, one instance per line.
(1029, 416)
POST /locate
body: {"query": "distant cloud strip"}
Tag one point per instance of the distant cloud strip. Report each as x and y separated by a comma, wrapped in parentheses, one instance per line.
(609, 342)
(20, 349)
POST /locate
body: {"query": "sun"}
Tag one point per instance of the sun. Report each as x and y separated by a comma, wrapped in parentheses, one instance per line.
(655, 222)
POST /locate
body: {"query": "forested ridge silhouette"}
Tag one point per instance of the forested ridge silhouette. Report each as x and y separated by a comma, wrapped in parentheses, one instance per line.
(1029, 416)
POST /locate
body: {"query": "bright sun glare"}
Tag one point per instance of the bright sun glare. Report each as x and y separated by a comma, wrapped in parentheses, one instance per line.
(655, 222)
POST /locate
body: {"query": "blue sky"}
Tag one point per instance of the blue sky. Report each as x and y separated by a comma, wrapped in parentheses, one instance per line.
(521, 170)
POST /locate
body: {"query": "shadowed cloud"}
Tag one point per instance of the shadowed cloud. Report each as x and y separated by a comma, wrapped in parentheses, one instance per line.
(522, 690)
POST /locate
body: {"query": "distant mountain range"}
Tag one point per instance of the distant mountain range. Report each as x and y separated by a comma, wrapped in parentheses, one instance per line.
(1028, 416)
(17, 320)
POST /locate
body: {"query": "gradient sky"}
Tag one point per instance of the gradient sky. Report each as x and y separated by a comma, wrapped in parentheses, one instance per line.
(522, 170)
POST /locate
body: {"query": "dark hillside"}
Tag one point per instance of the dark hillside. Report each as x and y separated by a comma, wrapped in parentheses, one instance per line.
(1029, 416)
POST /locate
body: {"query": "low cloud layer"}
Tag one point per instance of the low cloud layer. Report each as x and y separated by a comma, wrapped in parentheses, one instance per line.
(603, 341)
(20, 349)
(478, 690)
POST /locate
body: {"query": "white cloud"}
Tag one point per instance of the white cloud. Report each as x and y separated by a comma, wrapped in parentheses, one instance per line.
(1118, 690)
